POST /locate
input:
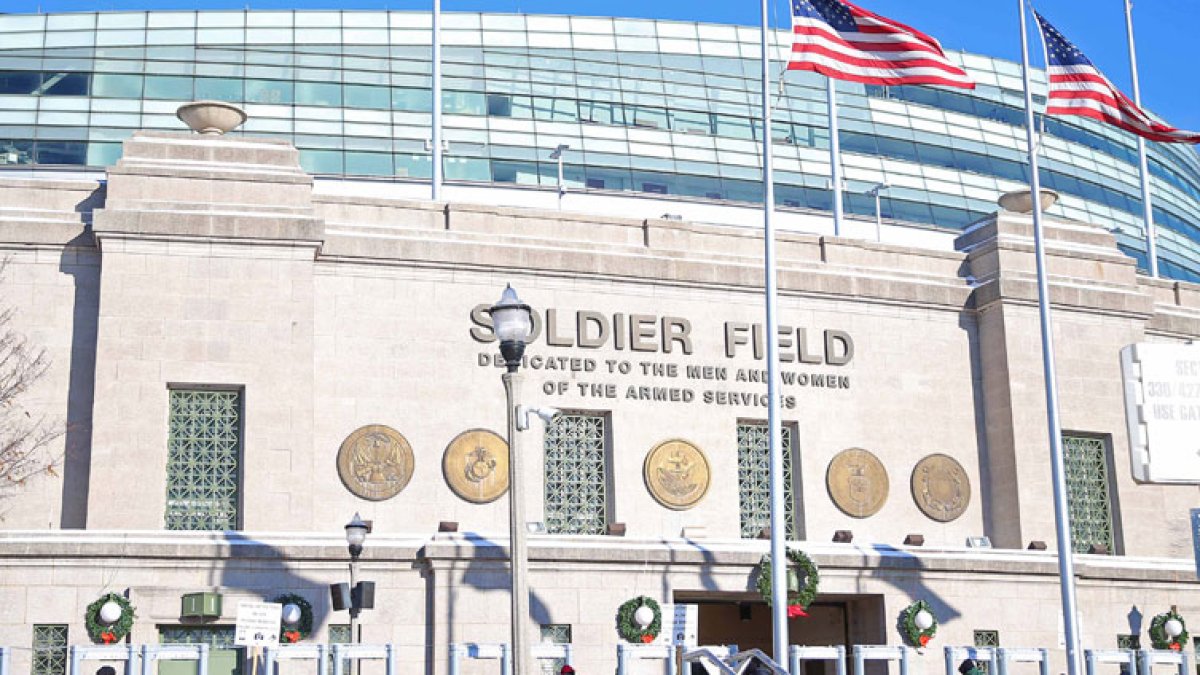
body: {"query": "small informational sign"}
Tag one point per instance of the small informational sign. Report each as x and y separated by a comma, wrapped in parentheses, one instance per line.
(1196, 539)
(257, 624)
(680, 625)
(1162, 411)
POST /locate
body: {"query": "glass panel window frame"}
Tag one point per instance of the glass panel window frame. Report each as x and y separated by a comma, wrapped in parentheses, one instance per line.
(577, 473)
(754, 488)
(204, 458)
(1090, 492)
(50, 642)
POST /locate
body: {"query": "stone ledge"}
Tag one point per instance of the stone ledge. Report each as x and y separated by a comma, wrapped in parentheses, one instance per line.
(208, 225)
(28, 232)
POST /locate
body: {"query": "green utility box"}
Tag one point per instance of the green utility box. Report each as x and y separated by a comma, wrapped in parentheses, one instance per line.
(201, 606)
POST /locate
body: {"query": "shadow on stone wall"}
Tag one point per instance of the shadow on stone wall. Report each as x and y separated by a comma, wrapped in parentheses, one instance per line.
(258, 568)
(81, 260)
(893, 562)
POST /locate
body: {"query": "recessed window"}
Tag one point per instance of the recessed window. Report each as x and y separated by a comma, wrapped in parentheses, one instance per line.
(49, 649)
(204, 448)
(1088, 493)
(754, 479)
(576, 471)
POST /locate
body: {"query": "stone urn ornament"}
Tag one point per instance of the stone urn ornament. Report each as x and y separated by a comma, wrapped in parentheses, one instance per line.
(211, 118)
(1021, 202)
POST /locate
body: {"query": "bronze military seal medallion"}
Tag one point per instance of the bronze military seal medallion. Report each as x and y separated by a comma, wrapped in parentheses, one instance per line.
(677, 474)
(941, 488)
(375, 462)
(857, 482)
(475, 466)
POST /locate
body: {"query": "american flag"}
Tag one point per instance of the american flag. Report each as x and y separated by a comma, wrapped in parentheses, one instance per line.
(1078, 88)
(843, 41)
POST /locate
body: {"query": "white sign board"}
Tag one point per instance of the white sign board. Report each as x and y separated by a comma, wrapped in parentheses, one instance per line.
(680, 625)
(257, 624)
(1162, 411)
(1196, 539)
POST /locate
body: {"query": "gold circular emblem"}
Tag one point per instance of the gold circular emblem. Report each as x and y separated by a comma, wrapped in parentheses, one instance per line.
(475, 465)
(677, 474)
(857, 482)
(375, 462)
(941, 488)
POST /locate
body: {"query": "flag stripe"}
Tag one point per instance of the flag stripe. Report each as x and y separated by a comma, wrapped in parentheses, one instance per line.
(896, 67)
(841, 40)
(1077, 87)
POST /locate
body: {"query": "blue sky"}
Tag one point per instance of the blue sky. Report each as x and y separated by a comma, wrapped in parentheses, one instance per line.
(1165, 28)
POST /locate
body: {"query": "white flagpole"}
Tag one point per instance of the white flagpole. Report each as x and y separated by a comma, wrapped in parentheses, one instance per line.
(1147, 207)
(1062, 522)
(779, 560)
(835, 155)
(436, 180)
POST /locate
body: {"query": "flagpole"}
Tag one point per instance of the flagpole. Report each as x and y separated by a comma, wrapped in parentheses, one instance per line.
(1062, 523)
(779, 625)
(1147, 207)
(835, 155)
(436, 176)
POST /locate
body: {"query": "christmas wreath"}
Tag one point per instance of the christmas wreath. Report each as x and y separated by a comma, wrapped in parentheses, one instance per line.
(800, 593)
(911, 619)
(1158, 631)
(109, 633)
(301, 629)
(627, 625)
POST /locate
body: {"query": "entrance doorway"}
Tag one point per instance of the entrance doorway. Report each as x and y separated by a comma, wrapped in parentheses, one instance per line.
(745, 620)
(223, 657)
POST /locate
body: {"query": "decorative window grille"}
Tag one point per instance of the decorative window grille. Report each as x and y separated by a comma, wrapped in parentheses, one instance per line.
(203, 457)
(216, 637)
(754, 479)
(49, 649)
(1129, 641)
(987, 638)
(1088, 497)
(339, 634)
(559, 634)
(576, 475)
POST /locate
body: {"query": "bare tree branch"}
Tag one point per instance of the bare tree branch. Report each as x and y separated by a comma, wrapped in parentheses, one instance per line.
(26, 436)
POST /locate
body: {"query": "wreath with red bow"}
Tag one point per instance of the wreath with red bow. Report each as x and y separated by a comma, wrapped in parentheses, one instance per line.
(103, 632)
(803, 571)
(1158, 632)
(303, 627)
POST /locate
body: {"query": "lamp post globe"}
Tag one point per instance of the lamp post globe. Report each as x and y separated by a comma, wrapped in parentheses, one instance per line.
(512, 322)
(1173, 628)
(356, 534)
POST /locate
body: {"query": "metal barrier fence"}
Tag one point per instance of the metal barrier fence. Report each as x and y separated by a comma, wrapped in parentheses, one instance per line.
(81, 653)
(863, 653)
(273, 655)
(725, 659)
(1149, 658)
(836, 655)
(352, 653)
(152, 654)
(1008, 656)
(629, 652)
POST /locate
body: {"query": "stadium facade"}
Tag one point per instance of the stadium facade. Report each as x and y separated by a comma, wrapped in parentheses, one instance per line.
(254, 336)
(647, 108)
